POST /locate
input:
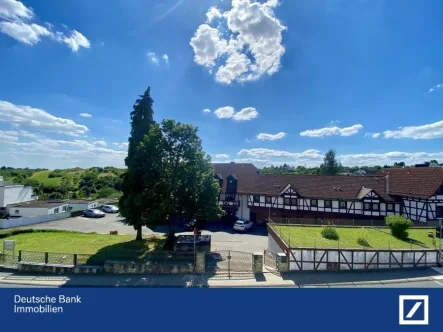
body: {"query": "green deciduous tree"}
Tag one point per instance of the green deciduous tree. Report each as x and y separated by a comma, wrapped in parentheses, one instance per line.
(168, 173)
(330, 164)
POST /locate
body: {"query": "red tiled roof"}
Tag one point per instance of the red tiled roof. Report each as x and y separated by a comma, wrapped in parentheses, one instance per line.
(310, 186)
(317, 186)
(245, 173)
(413, 181)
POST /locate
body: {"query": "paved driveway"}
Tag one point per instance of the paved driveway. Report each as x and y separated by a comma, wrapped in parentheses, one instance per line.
(223, 237)
(110, 222)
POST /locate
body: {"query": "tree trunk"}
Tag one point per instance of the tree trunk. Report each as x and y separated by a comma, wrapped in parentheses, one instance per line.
(139, 234)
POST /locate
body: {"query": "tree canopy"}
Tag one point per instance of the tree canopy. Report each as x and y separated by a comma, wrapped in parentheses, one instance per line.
(168, 173)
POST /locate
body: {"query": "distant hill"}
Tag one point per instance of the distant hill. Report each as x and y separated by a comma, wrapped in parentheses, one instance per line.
(96, 182)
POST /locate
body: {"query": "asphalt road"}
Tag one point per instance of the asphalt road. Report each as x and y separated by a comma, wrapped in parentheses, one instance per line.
(223, 237)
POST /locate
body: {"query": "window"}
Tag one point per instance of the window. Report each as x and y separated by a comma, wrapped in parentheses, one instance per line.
(390, 207)
(313, 202)
(268, 199)
(328, 204)
(372, 206)
(342, 205)
(57, 210)
(256, 199)
(70, 208)
(17, 211)
(65, 208)
(291, 201)
(439, 212)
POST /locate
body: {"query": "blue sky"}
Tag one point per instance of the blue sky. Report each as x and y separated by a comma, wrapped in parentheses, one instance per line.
(282, 81)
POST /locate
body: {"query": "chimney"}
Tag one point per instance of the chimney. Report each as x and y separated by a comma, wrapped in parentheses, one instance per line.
(387, 184)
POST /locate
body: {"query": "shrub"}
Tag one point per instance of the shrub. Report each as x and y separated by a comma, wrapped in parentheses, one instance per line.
(399, 226)
(329, 232)
(363, 242)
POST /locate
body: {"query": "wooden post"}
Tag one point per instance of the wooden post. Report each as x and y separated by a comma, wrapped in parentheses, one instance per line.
(19, 256)
(46, 257)
(75, 260)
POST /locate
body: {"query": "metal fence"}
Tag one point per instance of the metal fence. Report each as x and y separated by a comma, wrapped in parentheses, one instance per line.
(229, 262)
(326, 221)
(157, 261)
(7, 260)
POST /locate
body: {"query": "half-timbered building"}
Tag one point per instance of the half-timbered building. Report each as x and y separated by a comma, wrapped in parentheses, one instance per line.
(247, 194)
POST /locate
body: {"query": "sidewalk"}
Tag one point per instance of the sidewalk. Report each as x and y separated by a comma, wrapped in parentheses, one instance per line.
(322, 279)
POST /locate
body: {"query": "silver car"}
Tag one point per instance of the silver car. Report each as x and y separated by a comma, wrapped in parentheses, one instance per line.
(93, 213)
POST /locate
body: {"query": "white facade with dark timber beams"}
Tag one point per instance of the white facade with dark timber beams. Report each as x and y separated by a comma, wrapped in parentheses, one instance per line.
(247, 194)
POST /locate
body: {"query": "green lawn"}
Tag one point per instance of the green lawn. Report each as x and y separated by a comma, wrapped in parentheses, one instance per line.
(42, 177)
(86, 243)
(297, 236)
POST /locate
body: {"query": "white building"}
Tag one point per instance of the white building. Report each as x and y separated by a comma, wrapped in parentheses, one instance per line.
(82, 204)
(11, 193)
(37, 208)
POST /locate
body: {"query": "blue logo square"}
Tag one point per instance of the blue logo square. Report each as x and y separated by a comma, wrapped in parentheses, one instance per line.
(414, 310)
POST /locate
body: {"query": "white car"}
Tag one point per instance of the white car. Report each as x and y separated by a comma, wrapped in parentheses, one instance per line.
(110, 209)
(242, 225)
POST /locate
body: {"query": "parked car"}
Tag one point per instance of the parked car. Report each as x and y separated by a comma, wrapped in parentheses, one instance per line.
(93, 213)
(194, 223)
(242, 225)
(110, 209)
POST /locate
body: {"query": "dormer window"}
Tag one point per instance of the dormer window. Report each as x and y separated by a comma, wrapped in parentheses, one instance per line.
(231, 184)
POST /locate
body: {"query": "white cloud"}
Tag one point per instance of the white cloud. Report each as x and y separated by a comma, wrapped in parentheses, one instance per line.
(153, 57)
(228, 112)
(123, 145)
(30, 117)
(388, 158)
(207, 45)
(271, 137)
(312, 157)
(260, 152)
(15, 10)
(85, 115)
(165, 58)
(329, 131)
(29, 34)
(206, 110)
(101, 143)
(14, 23)
(428, 131)
(212, 14)
(438, 86)
(246, 114)
(76, 40)
(222, 156)
(373, 135)
(250, 40)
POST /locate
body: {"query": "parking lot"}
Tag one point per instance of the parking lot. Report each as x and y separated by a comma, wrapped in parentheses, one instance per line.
(223, 237)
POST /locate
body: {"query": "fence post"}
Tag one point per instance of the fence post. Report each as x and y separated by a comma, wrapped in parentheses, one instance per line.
(75, 260)
(19, 256)
(46, 257)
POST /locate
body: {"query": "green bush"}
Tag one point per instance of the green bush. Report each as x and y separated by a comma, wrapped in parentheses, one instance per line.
(363, 242)
(399, 226)
(329, 232)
